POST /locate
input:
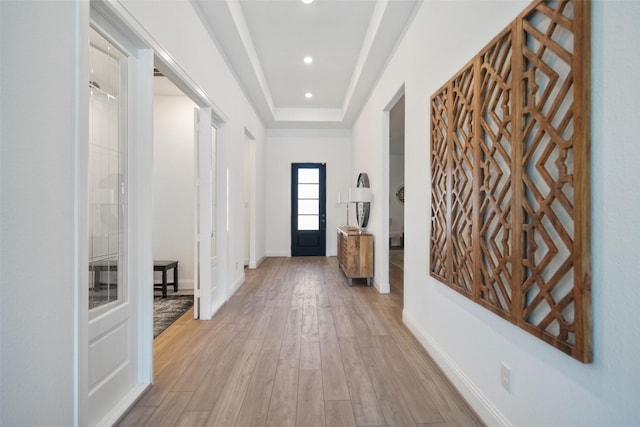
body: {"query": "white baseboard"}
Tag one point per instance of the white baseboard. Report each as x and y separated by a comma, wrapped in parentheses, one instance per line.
(489, 413)
(216, 307)
(236, 285)
(257, 263)
(383, 288)
(185, 284)
(286, 254)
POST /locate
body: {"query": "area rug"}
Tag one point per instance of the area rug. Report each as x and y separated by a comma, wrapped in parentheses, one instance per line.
(168, 310)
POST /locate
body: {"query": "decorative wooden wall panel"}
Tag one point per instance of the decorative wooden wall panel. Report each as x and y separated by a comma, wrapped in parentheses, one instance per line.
(439, 185)
(461, 160)
(495, 160)
(510, 207)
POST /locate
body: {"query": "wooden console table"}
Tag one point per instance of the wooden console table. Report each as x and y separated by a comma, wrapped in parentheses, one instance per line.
(355, 254)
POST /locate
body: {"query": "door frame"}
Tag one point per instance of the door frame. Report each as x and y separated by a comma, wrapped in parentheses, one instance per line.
(382, 250)
(210, 116)
(249, 194)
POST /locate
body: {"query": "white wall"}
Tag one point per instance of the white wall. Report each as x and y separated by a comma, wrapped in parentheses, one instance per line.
(1, 199)
(39, 277)
(548, 387)
(173, 184)
(284, 147)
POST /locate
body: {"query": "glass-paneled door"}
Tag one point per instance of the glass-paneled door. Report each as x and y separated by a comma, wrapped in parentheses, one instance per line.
(112, 330)
(308, 209)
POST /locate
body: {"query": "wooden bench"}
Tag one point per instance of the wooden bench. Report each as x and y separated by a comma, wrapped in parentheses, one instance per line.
(110, 265)
(164, 266)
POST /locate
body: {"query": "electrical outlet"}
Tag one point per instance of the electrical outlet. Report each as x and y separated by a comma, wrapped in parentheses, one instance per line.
(505, 376)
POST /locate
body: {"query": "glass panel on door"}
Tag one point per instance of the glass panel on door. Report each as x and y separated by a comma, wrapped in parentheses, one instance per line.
(107, 175)
(309, 199)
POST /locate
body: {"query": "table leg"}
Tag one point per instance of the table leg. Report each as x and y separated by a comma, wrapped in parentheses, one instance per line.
(164, 283)
(175, 278)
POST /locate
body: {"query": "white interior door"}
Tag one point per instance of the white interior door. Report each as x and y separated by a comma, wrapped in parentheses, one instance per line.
(208, 295)
(216, 295)
(247, 199)
(113, 326)
(197, 280)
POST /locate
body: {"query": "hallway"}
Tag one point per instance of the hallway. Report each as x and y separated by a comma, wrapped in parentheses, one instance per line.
(296, 346)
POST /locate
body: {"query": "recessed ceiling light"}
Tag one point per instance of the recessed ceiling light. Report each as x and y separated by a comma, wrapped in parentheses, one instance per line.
(308, 95)
(308, 60)
(307, 1)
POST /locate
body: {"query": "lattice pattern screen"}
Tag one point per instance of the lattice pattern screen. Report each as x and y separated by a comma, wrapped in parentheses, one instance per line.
(510, 221)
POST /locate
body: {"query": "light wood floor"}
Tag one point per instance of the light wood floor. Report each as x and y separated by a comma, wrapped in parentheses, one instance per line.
(296, 346)
(396, 280)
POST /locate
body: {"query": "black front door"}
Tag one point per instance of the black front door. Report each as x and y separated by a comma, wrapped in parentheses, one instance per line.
(308, 209)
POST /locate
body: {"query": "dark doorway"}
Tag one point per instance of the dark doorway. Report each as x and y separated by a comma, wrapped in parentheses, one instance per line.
(308, 209)
(396, 199)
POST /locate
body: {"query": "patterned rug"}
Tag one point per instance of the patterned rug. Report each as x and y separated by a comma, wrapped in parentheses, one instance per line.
(168, 310)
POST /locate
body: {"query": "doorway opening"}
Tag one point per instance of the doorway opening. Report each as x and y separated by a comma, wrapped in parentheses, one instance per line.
(396, 198)
(199, 134)
(174, 200)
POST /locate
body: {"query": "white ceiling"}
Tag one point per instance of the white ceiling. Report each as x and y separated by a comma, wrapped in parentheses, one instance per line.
(265, 41)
